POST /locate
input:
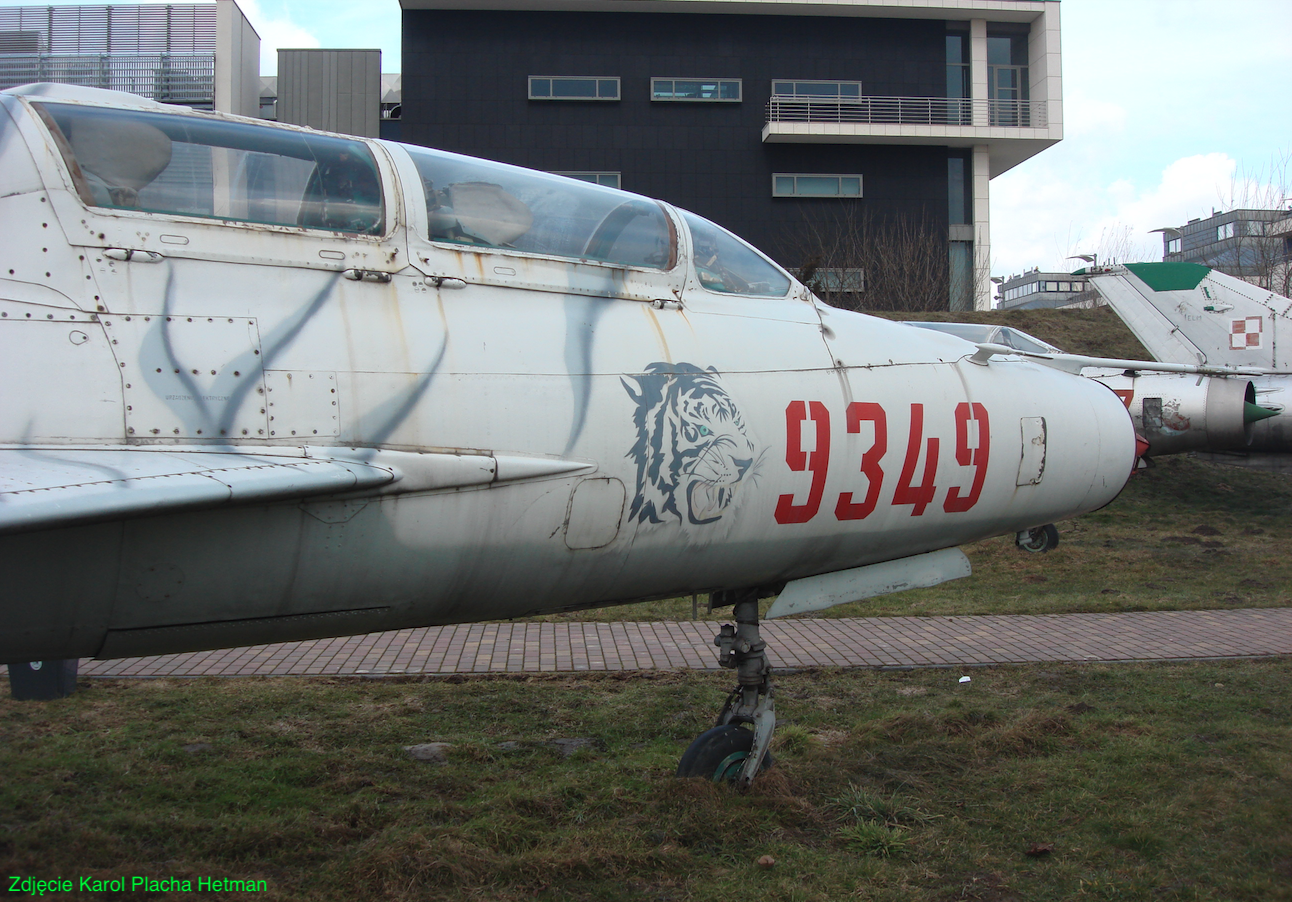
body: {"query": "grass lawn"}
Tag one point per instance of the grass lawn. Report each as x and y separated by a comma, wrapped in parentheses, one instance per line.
(1137, 782)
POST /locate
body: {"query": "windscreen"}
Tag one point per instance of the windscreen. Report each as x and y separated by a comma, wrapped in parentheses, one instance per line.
(197, 166)
(478, 203)
(728, 265)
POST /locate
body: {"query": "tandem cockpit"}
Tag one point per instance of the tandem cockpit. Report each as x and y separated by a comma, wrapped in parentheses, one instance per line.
(136, 158)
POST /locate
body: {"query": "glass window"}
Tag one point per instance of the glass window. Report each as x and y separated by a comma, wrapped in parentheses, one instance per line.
(1007, 79)
(482, 204)
(1225, 231)
(713, 89)
(958, 197)
(726, 264)
(975, 332)
(196, 166)
(566, 87)
(1007, 49)
(825, 90)
(835, 279)
(1021, 341)
(1051, 286)
(1173, 245)
(958, 80)
(605, 179)
(785, 184)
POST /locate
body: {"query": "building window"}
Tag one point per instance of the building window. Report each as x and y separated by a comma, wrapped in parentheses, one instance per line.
(686, 89)
(1225, 231)
(824, 90)
(958, 80)
(1007, 79)
(838, 279)
(1173, 245)
(567, 87)
(788, 184)
(960, 201)
(604, 179)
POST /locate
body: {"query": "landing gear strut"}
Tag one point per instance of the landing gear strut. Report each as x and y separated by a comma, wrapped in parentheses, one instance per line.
(735, 750)
(1038, 540)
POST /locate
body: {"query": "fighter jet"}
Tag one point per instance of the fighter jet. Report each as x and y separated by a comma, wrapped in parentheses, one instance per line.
(1176, 407)
(1187, 313)
(264, 383)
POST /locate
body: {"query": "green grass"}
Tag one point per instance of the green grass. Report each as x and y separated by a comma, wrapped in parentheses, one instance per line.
(1097, 332)
(1170, 781)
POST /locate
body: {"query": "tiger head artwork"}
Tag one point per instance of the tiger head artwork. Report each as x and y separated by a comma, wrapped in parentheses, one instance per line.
(692, 451)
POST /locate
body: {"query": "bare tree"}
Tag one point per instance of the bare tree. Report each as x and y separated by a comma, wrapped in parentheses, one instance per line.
(1115, 245)
(855, 261)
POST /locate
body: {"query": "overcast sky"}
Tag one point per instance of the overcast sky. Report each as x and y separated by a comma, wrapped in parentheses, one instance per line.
(1170, 107)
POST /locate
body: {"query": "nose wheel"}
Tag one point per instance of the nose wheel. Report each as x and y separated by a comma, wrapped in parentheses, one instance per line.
(735, 750)
(1038, 540)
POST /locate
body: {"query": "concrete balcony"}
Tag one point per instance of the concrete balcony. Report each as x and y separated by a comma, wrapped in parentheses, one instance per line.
(1013, 129)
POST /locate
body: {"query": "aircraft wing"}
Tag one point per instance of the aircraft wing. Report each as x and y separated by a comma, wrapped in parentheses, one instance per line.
(1078, 363)
(57, 487)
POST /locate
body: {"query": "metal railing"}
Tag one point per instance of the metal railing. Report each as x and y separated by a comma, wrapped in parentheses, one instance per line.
(909, 111)
(186, 78)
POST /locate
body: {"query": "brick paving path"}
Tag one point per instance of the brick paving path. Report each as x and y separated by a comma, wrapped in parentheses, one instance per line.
(854, 642)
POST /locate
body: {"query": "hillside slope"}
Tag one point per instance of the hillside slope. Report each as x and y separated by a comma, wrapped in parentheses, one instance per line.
(1098, 332)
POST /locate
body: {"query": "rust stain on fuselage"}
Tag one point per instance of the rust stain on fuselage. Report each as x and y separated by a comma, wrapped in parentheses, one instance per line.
(659, 333)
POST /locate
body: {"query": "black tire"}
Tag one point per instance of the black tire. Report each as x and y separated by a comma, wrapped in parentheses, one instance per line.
(719, 754)
(1040, 540)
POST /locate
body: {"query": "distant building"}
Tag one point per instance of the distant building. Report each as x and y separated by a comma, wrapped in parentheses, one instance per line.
(390, 100)
(330, 90)
(203, 55)
(392, 95)
(762, 116)
(1255, 245)
(1036, 290)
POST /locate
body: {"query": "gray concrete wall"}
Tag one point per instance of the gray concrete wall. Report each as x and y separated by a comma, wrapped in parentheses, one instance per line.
(332, 90)
(237, 61)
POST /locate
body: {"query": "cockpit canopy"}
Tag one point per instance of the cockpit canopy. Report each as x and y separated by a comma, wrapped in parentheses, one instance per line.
(190, 165)
(481, 204)
(156, 161)
(986, 333)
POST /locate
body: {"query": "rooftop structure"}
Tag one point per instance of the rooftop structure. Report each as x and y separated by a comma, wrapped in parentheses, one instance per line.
(203, 55)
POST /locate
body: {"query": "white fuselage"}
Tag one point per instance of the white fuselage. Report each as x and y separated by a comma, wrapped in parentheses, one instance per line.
(561, 432)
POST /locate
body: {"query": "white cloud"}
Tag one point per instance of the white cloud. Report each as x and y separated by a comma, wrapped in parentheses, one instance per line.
(1043, 214)
(275, 33)
(1084, 115)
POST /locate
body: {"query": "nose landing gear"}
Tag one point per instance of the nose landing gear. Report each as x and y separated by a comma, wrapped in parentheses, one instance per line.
(735, 750)
(1039, 539)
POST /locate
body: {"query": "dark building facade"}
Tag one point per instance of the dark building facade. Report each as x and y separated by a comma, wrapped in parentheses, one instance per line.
(688, 106)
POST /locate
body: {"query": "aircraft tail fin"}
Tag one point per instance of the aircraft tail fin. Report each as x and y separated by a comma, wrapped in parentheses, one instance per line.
(1189, 313)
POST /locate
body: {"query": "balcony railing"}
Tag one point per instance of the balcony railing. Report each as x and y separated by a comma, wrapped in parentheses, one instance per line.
(185, 78)
(909, 111)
